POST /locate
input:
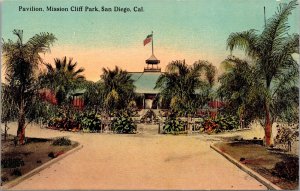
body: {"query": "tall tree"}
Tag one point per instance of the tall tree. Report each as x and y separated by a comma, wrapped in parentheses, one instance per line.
(180, 82)
(118, 88)
(21, 61)
(272, 52)
(62, 78)
(241, 89)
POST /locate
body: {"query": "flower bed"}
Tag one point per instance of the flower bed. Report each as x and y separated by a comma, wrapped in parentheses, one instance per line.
(279, 168)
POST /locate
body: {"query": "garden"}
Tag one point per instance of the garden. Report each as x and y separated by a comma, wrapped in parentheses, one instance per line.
(276, 165)
(18, 160)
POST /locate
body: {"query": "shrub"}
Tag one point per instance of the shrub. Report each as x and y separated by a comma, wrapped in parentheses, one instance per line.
(12, 163)
(4, 179)
(173, 125)
(62, 142)
(286, 135)
(16, 172)
(62, 123)
(51, 155)
(123, 124)
(288, 169)
(89, 121)
(220, 124)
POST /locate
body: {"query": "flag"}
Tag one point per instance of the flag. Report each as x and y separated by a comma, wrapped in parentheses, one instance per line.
(148, 39)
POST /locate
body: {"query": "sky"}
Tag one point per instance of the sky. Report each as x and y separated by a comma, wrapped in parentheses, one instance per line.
(183, 29)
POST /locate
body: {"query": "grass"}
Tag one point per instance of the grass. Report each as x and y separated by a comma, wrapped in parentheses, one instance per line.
(21, 159)
(261, 160)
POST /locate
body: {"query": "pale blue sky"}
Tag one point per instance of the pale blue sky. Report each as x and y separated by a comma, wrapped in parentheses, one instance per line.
(195, 28)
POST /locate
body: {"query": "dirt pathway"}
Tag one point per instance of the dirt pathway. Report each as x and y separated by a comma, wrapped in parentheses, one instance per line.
(142, 161)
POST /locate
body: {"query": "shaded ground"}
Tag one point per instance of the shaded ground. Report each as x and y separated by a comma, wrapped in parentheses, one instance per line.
(259, 159)
(19, 160)
(142, 161)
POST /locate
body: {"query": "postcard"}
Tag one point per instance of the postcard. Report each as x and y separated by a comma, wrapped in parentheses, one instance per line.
(149, 95)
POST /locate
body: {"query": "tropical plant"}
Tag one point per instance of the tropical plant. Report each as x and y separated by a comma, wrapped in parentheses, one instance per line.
(173, 125)
(63, 78)
(89, 121)
(287, 134)
(220, 124)
(118, 89)
(123, 124)
(240, 87)
(180, 83)
(288, 168)
(93, 94)
(272, 52)
(64, 119)
(21, 61)
(63, 141)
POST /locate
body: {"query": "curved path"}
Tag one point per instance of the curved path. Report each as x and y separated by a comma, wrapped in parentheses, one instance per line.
(141, 161)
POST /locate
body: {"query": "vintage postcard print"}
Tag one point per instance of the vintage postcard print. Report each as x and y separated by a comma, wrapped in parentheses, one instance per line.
(149, 95)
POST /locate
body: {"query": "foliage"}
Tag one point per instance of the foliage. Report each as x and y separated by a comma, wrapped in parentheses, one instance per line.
(51, 155)
(21, 61)
(4, 179)
(123, 124)
(62, 142)
(286, 134)
(180, 82)
(272, 53)
(16, 172)
(9, 110)
(118, 89)
(11, 162)
(220, 124)
(63, 120)
(89, 120)
(93, 94)
(62, 117)
(288, 168)
(173, 125)
(286, 104)
(63, 78)
(242, 90)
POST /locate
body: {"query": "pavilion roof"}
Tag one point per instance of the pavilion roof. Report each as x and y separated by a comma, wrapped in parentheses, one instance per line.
(145, 82)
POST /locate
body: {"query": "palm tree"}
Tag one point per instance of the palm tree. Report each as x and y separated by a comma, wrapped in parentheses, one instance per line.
(272, 52)
(118, 88)
(180, 82)
(62, 78)
(21, 61)
(240, 88)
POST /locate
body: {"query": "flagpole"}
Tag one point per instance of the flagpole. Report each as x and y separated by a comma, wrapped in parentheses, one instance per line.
(152, 42)
(265, 16)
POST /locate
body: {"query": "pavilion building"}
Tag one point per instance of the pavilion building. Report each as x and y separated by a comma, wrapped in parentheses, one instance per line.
(145, 82)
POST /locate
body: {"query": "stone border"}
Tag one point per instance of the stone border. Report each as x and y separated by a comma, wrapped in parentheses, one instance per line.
(39, 169)
(249, 171)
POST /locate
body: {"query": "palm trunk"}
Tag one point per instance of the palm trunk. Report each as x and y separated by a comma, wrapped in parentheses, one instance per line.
(268, 125)
(21, 124)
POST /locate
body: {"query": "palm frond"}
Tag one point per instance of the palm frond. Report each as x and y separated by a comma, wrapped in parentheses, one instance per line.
(246, 40)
